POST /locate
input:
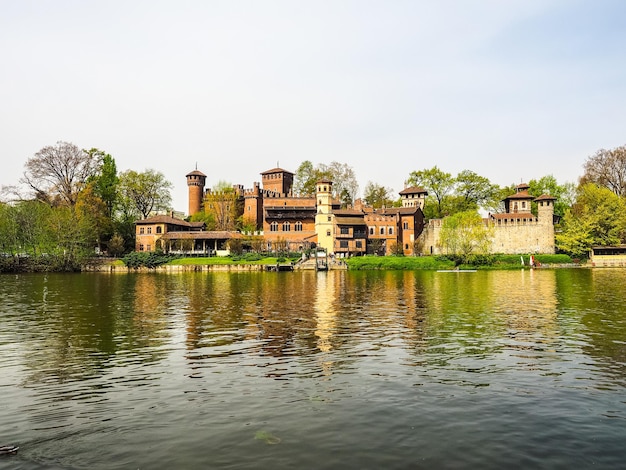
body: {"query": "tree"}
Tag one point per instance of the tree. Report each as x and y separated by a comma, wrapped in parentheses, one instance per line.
(93, 212)
(105, 181)
(377, 196)
(116, 245)
(607, 168)
(564, 193)
(58, 173)
(305, 178)
(474, 191)
(143, 193)
(439, 185)
(465, 234)
(597, 218)
(345, 185)
(224, 206)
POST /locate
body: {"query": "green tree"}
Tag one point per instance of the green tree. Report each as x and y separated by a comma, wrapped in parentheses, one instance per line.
(143, 193)
(224, 206)
(439, 185)
(564, 193)
(305, 178)
(474, 191)
(105, 181)
(464, 235)
(377, 196)
(597, 218)
(345, 184)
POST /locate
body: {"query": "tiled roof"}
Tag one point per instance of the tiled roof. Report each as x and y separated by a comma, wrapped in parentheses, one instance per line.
(164, 219)
(545, 197)
(276, 170)
(195, 173)
(413, 190)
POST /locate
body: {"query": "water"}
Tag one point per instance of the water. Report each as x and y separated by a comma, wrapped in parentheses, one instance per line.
(337, 370)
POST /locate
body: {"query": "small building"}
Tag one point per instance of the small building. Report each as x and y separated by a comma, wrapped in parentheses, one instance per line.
(608, 256)
(172, 235)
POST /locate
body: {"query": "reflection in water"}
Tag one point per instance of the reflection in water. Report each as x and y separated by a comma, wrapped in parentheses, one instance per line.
(96, 369)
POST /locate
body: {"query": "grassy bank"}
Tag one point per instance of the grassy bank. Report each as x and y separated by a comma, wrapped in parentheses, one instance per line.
(442, 262)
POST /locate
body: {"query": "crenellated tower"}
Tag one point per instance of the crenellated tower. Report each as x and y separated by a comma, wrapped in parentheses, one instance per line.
(196, 181)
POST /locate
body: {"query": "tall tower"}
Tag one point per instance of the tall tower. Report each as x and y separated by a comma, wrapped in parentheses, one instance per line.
(277, 180)
(195, 182)
(413, 197)
(324, 218)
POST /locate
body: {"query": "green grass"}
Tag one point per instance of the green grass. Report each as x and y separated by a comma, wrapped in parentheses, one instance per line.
(398, 262)
(441, 262)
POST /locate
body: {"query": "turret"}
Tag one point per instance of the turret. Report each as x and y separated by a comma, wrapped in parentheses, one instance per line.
(195, 182)
(545, 209)
(413, 197)
(324, 219)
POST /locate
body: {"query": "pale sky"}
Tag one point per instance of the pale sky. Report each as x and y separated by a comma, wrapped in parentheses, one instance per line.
(511, 89)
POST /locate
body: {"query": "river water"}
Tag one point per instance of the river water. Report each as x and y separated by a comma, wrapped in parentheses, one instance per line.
(336, 370)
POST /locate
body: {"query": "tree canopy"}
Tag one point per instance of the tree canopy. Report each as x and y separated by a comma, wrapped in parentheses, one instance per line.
(345, 184)
(57, 173)
(597, 218)
(377, 195)
(607, 168)
(144, 193)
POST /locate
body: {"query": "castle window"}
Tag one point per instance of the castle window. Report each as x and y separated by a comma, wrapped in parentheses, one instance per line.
(329, 218)
(359, 244)
(406, 226)
(141, 230)
(345, 230)
(286, 227)
(382, 230)
(390, 230)
(149, 230)
(319, 202)
(343, 244)
(328, 233)
(298, 226)
(140, 247)
(149, 248)
(523, 204)
(371, 230)
(274, 227)
(159, 229)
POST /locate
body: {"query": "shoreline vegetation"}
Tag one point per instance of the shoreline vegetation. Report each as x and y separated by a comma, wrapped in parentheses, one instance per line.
(252, 261)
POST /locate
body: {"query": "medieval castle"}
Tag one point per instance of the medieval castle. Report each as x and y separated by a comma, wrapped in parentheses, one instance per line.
(299, 223)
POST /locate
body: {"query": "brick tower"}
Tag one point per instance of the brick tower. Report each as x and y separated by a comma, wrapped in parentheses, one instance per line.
(195, 182)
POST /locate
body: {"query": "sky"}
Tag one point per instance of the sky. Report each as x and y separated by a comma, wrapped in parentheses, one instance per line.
(510, 89)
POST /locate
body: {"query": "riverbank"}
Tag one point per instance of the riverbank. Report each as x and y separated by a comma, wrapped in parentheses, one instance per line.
(360, 263)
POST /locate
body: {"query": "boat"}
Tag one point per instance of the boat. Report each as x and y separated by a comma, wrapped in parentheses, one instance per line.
(8, 449)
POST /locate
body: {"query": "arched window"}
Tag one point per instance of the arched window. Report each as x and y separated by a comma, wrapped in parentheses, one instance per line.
(274, 227)
(371, 230)
(390, 230)
(298, 226)
(159, 229)
(328, 233)
(286, 227)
